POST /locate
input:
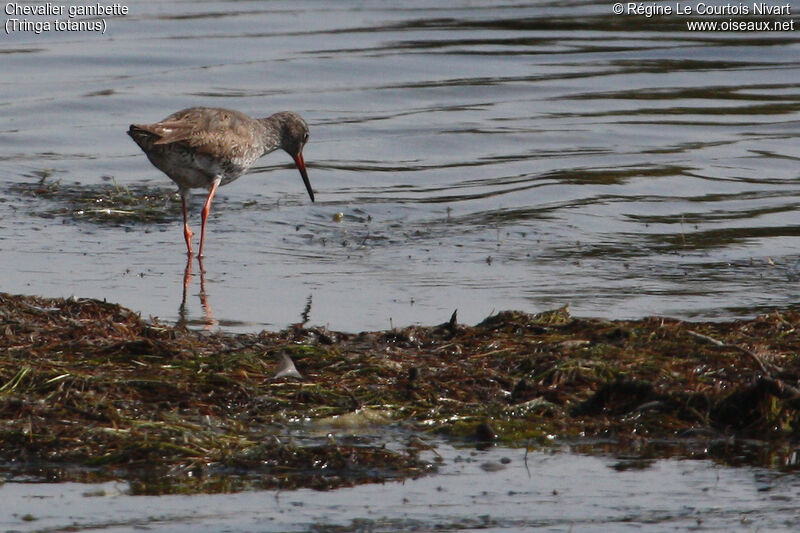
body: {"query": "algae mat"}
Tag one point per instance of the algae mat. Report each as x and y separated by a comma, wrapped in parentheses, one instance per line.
(89, 391)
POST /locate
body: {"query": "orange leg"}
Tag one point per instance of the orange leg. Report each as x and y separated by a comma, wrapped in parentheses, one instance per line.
(187, 233)
(204, 215)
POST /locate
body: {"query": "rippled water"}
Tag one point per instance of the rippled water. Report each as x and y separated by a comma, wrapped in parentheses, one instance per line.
(485, 155)
(497, 490)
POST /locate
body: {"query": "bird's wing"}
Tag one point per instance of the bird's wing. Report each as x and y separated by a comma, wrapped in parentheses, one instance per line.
(215, 131)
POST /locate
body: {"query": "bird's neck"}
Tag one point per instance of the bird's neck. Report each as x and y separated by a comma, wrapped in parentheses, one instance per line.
(273, 132)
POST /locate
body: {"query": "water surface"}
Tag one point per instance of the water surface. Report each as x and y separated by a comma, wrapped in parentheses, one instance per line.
(485, 156)
(495, 490)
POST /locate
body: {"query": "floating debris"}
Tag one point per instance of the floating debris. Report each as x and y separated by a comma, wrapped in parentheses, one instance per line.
(286, 368)
(103, 204)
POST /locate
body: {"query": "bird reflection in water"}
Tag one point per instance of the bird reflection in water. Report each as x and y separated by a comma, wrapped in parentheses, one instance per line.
(209, 321)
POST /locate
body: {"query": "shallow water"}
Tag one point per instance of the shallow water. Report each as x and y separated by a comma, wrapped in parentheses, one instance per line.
(494, 490)
(485, 156)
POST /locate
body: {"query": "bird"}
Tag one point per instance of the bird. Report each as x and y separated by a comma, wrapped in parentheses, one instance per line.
(206, 147)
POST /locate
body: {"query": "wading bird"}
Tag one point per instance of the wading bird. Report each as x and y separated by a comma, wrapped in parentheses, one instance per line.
(210, 146)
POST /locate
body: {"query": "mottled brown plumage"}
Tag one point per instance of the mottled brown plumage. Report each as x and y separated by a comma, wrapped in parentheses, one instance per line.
(210, 146)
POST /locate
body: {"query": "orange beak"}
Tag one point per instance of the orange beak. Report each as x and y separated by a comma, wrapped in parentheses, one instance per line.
(301, 166)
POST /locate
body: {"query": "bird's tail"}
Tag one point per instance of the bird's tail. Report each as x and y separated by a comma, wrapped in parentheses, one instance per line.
(141, 136)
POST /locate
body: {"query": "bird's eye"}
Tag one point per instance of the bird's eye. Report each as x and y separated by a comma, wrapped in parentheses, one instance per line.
(305, 138)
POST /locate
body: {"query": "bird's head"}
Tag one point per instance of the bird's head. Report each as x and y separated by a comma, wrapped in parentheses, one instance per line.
(293, 137)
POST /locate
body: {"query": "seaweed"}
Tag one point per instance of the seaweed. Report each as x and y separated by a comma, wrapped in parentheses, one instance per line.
(108, 203)
(91, 391)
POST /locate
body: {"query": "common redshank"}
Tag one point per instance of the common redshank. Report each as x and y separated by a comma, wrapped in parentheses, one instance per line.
(210, 146)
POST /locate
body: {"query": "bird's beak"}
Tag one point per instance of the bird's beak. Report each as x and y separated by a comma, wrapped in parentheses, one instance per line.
(301, 166)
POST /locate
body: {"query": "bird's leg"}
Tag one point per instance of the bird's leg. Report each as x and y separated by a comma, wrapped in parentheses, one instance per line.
(187, 233)
(206, 211)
